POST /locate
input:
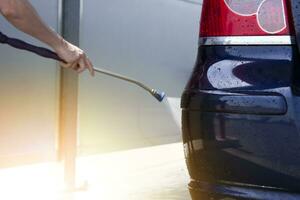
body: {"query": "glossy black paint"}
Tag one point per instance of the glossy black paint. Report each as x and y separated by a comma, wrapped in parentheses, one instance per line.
(241, 119)
(250, 102)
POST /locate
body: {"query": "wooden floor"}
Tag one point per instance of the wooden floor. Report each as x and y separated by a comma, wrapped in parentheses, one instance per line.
(152, 173)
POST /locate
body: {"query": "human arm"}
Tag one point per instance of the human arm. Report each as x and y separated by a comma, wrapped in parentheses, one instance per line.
(23, 16)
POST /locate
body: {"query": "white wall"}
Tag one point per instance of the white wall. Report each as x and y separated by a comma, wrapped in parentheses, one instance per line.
(29, 97)
(154, 41)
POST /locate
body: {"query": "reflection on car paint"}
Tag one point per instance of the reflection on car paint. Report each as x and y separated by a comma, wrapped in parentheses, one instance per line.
(263, 133)
(222, 71)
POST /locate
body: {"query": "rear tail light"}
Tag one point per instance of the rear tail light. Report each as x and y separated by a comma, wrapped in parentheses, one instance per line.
(244, 18)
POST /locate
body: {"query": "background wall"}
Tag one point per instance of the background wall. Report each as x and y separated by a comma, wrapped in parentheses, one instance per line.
(154, 41)
(29, 97)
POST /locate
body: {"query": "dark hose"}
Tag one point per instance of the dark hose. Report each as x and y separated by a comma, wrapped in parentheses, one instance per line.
(19, 44)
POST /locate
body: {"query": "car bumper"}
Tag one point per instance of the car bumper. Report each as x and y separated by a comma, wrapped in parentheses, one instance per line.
(203, 190)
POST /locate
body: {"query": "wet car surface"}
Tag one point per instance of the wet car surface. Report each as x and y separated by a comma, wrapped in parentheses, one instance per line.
(240, 109)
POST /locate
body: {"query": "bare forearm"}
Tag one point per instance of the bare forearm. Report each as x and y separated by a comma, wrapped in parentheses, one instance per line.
(23, 16)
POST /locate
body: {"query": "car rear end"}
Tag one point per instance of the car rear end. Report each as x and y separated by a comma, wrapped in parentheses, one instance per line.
(241, 106)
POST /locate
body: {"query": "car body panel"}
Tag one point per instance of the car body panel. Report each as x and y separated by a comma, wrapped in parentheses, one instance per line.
(240, 117)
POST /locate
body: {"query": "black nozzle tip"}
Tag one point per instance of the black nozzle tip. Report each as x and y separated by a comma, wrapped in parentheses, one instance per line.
(159, 95)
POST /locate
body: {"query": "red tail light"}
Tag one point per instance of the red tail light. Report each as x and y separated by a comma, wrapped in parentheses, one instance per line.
(244, 18)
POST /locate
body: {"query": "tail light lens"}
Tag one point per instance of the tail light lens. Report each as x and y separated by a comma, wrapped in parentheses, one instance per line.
(244, 18)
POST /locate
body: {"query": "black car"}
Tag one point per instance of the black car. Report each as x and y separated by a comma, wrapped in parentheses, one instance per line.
(241, 106)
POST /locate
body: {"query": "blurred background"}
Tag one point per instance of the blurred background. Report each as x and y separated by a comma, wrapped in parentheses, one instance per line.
(154, 41)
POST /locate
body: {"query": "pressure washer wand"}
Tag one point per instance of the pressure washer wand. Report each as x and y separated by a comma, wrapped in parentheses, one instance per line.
(158, 95)
(19, 44)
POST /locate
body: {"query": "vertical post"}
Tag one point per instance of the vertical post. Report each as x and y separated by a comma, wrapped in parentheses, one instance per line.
(69, 95)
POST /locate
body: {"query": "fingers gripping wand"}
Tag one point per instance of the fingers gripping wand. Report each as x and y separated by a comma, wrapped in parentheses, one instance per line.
(19, 44)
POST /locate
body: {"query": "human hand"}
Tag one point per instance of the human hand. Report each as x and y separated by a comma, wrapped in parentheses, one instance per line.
(74, 57)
